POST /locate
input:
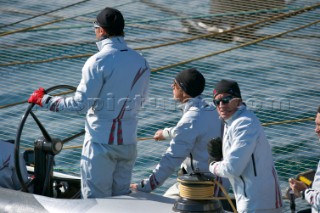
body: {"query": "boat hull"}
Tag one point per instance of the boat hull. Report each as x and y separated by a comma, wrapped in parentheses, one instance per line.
(17, 201)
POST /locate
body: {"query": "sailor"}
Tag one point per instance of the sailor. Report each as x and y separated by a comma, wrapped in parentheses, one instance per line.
(247, 157)
(311, 195)
(113, 87)
(188, 139)
(8, 175)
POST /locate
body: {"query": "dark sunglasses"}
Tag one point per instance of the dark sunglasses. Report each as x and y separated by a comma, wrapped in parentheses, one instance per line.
(224, 100)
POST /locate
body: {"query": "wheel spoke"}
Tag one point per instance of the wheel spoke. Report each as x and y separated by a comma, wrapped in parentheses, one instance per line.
(41, 127)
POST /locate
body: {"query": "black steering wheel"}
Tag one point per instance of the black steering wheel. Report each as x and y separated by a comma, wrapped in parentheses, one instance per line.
(44, 132)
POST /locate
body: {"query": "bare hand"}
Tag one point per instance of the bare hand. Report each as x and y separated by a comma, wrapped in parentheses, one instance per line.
(158, 135)
(134, 186)
(297, 186)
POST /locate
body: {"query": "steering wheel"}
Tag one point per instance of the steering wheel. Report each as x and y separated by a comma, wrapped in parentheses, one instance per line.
(44, 132)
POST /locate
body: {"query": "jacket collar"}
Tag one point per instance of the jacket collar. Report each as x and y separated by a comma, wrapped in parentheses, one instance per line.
(112, 40)
(194, 102)
(240, 109)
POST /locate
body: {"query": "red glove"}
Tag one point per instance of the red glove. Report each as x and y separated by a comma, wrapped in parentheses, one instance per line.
(36, 96)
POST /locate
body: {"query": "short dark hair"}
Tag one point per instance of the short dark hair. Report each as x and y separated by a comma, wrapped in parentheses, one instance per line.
(112, 21)
(318, 109)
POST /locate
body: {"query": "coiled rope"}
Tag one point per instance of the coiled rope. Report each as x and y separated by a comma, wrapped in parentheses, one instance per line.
(202, 190)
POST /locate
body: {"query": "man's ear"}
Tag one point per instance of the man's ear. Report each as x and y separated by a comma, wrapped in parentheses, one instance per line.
(102, 32)
(239, 101)
(185, 96)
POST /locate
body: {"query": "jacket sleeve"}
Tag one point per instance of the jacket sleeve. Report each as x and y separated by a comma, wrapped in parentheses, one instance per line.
(244, 138)
(180, 147)
(312, 196)
(169, 133)
(85, 95)
(145, 93)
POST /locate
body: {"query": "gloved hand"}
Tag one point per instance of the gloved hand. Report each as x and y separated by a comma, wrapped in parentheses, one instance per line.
(215, 149)
(147, 185)
(37, 96)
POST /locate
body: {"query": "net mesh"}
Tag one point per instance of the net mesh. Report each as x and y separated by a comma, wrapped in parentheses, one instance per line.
(270, 47)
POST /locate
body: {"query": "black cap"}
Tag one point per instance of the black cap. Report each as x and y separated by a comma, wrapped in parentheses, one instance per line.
(191, 81)
(112, 20)
(227, 86)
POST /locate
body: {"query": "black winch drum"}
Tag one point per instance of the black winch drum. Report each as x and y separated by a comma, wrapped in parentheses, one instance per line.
(196, 195)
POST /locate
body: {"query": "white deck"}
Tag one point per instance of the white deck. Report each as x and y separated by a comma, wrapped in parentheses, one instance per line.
(14, 201)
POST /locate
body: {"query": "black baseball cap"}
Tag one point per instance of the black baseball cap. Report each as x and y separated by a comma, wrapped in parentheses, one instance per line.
(191, 81)
(227, 86)
(111, 20)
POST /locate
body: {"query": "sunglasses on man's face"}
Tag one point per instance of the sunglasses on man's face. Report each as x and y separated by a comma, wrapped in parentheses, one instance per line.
(224, 100)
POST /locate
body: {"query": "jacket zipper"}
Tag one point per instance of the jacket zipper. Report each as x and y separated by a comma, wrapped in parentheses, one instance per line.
(244, 186)
(254, 165)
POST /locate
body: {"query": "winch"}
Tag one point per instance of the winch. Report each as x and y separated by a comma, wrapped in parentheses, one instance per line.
(196, 195)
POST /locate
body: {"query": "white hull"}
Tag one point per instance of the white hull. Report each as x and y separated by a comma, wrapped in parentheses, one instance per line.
(16, 201)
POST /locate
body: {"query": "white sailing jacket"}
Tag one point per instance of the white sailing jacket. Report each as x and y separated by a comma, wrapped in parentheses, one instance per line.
(247, 162)
(113, 87)
(312, 196)
(188, 146)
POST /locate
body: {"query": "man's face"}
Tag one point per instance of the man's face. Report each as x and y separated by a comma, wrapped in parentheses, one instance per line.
(100, 32)
(317, 121)
(97, 30)
(226, 105)
(178, 93)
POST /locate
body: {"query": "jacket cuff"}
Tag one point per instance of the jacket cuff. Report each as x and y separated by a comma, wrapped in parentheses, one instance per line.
(45, 99)
(212, 167)
(144, 186)
(303, 194)
(147, 185)
(166, 133)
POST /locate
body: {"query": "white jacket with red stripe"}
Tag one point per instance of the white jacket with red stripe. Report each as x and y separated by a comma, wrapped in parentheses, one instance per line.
(312, 195)
(113, 87)
(248, 163)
